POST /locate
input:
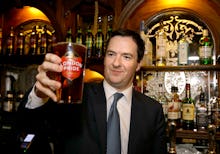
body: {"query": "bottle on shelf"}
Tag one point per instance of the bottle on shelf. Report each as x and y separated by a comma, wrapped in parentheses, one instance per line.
(174, 108)
(53, 41)
(69, 36)
(183, 51)
(205, 49)
(188, 110)
(79, 36)
(44, 40)
(215, 113)
(162, 99)
(147, 59)
(99, 43)
(172, 137)
(8, 102)
(211, 139)
(161, 41)
(33, 41)
(10, 42)
(108, 33)
(89, 38)
(143, 36)
(20, 42)
(149, 50)
(107, 36)
(137, 83)
(39, 33)
(201, 113)
(18, 99)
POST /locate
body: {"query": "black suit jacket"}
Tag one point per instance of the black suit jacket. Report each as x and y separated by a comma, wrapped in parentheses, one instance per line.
(88, 135)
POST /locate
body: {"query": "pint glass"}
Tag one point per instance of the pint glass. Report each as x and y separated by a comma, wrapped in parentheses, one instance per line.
(73, 57)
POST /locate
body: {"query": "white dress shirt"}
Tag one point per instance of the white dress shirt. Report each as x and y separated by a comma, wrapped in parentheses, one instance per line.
(124, 109)
(123, 106)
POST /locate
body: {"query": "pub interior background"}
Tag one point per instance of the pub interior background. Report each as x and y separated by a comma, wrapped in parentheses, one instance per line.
(49, 21)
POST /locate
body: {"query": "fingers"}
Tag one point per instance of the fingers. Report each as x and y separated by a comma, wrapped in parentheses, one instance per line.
(43, 91)
(53, 58)
(46, 85)
(51, 63)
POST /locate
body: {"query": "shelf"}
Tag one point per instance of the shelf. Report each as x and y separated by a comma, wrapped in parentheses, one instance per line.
(189, 134)
(182, 68)
(21, 60)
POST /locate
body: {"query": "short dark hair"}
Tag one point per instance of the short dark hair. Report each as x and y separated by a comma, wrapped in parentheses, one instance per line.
(135, 36)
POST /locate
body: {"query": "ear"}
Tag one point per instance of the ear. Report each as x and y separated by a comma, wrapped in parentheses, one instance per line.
(138, 67)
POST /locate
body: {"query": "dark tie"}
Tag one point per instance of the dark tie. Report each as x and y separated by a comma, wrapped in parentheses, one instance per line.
(113, 128)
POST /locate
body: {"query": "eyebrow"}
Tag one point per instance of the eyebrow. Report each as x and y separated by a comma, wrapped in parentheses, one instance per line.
(123, 53)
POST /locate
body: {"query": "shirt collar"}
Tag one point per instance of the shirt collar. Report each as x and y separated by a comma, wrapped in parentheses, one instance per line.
(109, 91)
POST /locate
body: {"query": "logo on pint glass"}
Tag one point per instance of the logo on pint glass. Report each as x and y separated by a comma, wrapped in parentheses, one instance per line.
(72, 67)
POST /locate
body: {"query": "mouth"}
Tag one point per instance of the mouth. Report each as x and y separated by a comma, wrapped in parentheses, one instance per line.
(116, 72)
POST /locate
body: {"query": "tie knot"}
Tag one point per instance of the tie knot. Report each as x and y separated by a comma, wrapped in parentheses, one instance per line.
(117, 96)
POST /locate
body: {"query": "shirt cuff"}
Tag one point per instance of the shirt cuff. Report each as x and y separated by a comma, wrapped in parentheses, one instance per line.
(34, 101)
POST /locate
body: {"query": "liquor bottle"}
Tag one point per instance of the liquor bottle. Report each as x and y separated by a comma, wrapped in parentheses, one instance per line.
(109, 33)
(89, 38)
(183, 51)
(69, 36)
(162, 99)
(18, 99)
(143, 36)
(172, 137)
(109, 27)
(174, 108)
(205, 49)
(8, 102)
(161, 40)
(215, 113)
(53, 41)
(79, 36)
(44, 40)
(147, 59)
(188, 110)
(33, 41)
(1, 49)
(107, 36)
(201, 113)
(137, 83)
(20, 42)
(10, 42)
(39, 33)
(211, 139)
(99, 43)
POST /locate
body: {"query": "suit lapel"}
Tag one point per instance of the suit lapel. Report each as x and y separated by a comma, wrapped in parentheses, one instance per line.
(100, 114)
(134, 124)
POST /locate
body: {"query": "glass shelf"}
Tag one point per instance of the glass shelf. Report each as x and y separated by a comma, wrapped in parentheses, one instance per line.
(190, 134)
(182, 68)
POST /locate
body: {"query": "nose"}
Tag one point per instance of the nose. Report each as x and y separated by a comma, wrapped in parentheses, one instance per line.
(117, 61)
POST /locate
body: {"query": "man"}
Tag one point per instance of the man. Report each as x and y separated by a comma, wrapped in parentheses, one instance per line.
(142, 125)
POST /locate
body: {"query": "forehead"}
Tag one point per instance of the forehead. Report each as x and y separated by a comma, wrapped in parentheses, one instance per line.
(122, 44)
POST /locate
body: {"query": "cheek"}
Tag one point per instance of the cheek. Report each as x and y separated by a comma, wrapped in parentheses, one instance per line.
(131, 67)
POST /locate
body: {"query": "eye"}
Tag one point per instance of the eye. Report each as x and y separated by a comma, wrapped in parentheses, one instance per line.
(127, 57)
(110, 53)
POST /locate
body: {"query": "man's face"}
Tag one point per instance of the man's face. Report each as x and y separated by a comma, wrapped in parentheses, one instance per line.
(121, 62)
